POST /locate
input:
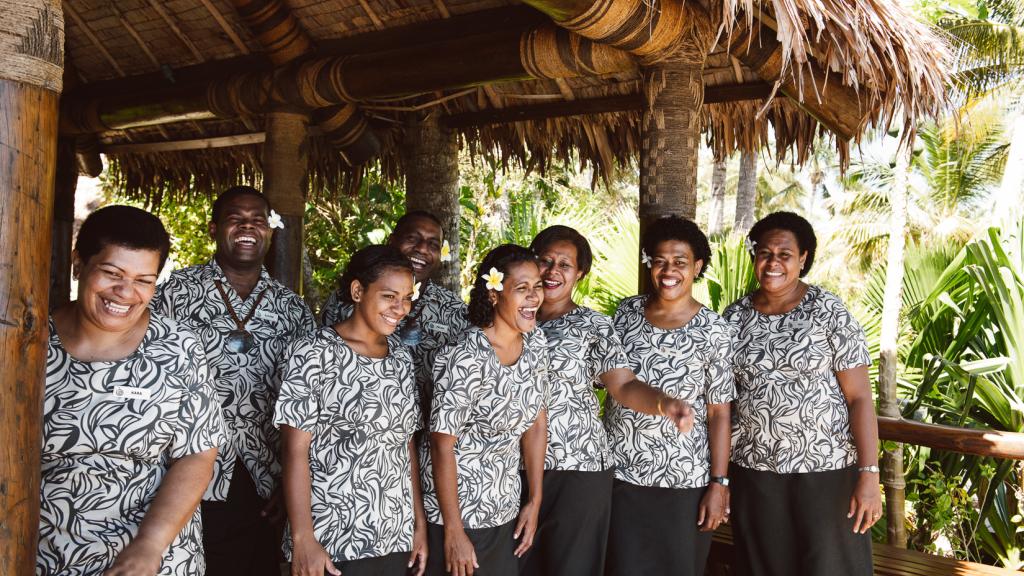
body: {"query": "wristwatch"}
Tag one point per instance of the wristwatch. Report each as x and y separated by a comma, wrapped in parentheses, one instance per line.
(723, 480)
(872, 469)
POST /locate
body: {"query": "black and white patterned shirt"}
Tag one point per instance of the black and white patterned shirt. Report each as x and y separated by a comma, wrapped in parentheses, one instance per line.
(246, 382)
(440, 314)
(488, 407)
(582, 345)
(692, 363)
(110, 431)
(361, 412)
(790, 414)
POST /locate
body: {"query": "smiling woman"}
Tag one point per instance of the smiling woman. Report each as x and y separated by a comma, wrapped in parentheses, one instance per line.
(129, 405)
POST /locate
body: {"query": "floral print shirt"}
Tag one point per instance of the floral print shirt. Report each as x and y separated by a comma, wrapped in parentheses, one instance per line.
(488, 407)
(111, 431)
(582, 345)
(361, 413)
(441, 317)
(246, 382)
(692, 363)
(790, 414)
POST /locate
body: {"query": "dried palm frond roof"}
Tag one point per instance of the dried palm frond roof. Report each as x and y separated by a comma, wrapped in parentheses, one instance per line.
(895, 64)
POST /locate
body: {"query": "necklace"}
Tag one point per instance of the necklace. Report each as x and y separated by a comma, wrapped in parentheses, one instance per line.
(240, 340)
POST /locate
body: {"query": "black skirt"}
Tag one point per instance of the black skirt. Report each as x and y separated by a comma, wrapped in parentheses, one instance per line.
(495, 550)
(654, 532)
(572, 533)
(796, 524)
(396, 564)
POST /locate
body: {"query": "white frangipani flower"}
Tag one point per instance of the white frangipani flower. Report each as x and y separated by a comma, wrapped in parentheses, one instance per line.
(644, 258)
(494, 278)
(446, 252)
(275, 220)
(751, 245)
(415, 291)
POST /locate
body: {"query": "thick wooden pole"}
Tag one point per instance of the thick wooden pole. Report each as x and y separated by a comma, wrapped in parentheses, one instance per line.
(431, 156)
(63, 222)
(31, 60)
(746, 192)
(892, 459)
(716, 216)
(285, 162)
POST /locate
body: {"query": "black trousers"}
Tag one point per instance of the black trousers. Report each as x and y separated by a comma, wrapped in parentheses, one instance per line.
(654, 532)
(495, 550)
(796, 524)
(396, 564)
(236, 539)
(572, 532)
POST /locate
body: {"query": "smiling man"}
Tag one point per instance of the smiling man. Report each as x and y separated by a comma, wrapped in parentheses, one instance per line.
(245, 320)
(438, 315)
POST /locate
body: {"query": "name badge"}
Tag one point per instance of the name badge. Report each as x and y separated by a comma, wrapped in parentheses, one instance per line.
(130, 393)
(673, 352)
(799, 325)
(437, 327)
(553, 334)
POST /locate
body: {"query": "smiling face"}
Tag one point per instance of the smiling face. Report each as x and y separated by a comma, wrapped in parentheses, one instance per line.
(242, 234)
(522, 294)
(419, 240)
(778, 261)
(386, 301)
(673, 270)
(559, 271)
(116, 285)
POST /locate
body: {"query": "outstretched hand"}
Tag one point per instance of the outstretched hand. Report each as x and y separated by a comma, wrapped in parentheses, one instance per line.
(679, 412)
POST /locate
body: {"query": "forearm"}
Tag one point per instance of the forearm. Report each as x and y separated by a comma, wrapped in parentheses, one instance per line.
(534, 445)
(633, 393)
(177, 498)
(442, 452)
(417, 489)
(864, 427)
(296, 481)
(720, 438)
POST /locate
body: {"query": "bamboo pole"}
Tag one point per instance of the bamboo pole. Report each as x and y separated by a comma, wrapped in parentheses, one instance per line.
(285, 162)
(892, 457)
(431, 153)
(31, 50)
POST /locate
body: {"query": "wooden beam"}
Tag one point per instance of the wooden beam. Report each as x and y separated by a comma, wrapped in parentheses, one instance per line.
(169, 20)
(70, 11)
(602, 105)
(182, 145)
(134, 34)
(225, 26)
(991, 443)
(285, 162)
(276, 29)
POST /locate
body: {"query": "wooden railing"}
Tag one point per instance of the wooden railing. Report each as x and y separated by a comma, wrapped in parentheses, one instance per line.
(1009, 445)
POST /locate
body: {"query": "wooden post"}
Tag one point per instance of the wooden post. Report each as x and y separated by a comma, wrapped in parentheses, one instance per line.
(892, 305)
(31, 60)
(64, 186)
(285, 163)
(716, 216)
(431, 156)
(746, 192)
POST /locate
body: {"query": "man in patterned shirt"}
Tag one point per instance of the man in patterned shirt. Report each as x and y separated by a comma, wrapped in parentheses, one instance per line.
(245, 320)
(438, 316)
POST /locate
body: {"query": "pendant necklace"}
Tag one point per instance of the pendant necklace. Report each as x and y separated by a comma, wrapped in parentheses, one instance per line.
(239, 340)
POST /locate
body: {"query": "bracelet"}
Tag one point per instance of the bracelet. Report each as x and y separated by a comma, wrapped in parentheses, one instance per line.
(872, 469)
(661, 411)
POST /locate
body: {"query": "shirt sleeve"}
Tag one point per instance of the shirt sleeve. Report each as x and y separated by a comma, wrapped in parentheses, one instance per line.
(606, 352)
(200, 425)
(721, 382)
(297, 402)
(845, 338)
(457, 386)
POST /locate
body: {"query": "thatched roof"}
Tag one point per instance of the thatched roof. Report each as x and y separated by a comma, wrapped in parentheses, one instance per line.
(896, 65)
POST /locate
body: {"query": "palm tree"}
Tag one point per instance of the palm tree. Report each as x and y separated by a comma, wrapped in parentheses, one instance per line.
(989, 47)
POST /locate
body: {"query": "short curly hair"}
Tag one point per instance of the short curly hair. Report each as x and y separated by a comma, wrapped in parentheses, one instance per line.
(559, 233)
(480, 311)
(230, 194)
(806, 241)
(369, 264)
(124, 226)
(669, 228)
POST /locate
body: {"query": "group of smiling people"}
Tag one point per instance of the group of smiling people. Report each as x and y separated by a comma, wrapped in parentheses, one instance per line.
(414, 434)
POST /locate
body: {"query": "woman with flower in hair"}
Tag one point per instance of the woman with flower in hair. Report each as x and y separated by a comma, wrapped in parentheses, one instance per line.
(805, 438)
(584, 354)
(671, 490)
(487, 418)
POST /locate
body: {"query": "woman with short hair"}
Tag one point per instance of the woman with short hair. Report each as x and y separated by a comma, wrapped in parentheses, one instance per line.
(805, 438)
(131, 423)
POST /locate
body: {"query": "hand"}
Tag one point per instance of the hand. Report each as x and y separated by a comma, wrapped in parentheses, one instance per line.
(865, 503)
(418, 557)
(526, 526)
(273, 510)
(714, 507)
(137, 559)
(679, 412)
(310, 559)
(459, 554)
